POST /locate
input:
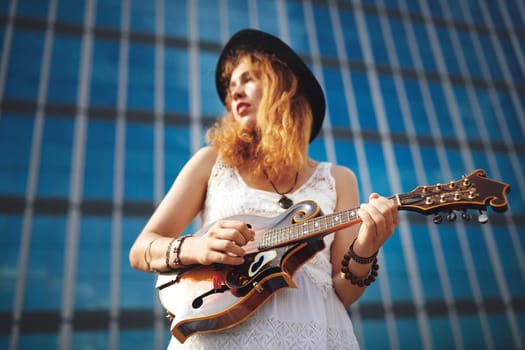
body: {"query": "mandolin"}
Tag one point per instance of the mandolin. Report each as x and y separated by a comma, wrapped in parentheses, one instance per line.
(201, 299)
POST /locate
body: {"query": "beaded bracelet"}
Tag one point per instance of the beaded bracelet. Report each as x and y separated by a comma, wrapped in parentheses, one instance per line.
(360, 282)
(176, 249)
(168, 252)
(358, 259)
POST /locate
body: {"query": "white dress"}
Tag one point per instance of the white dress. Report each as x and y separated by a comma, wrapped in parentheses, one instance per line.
(310, 316)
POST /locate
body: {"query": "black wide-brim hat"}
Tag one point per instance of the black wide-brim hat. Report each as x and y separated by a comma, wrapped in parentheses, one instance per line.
(255, 40)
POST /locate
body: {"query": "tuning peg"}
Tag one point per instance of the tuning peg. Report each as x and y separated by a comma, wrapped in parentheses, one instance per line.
(466, 216)
(483, 218)
(451, 216)
(437, 219)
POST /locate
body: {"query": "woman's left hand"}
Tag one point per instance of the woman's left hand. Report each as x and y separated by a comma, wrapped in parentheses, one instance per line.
(379, 220)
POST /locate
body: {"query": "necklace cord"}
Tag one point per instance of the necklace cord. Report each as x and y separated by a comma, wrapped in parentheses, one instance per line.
(275, 188)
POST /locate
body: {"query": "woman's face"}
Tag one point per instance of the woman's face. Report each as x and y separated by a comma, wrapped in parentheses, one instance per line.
(246, 94)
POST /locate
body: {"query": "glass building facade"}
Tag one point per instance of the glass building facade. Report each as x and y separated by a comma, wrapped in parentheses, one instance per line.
(102, 102)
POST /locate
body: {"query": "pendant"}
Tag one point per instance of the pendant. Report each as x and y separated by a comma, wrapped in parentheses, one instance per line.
(285, 202)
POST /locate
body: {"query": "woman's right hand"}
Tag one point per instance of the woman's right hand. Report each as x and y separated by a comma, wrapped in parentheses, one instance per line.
(221, 244)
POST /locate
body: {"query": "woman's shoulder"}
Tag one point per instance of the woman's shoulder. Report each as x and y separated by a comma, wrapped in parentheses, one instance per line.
(343, 174)
(205, 156)
(202, 161)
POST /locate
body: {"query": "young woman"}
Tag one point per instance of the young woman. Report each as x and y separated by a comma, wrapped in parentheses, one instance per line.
(257, 163)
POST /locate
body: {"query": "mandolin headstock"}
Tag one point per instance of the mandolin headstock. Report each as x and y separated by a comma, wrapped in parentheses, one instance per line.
(472, 191)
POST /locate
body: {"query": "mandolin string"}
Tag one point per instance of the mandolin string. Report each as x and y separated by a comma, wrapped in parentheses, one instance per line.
(280, 235)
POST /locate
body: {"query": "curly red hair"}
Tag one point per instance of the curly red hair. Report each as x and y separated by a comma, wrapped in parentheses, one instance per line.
(279, 144)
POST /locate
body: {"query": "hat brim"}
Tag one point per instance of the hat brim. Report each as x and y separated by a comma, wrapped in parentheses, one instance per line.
(255, 40)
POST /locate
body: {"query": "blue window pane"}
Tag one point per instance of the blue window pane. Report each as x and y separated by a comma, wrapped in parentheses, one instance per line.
(490, 56)
(376, 41)
(351, 37)
(71, 11)
(401, 43)
(104, 75)
(406, 331)
(406, 168)
(45, 267)
(509, 250)
(495, 14)
(433, 169)
(517, 72)
(4, 7)
(141, 85)
(209, 22)
(442, 333)
(390, 4)
(210, 103)
(435, 9)
(484, 266)
(39, 341)
(425, 50)
(35, 9)
(92, 340)
(488, 115)
(469, 53)
(143, 16)
(457, 272)
(11, 227)
(55, 160)
(467, 113)
(176, 85)
(176, 18)
(108, 14)
(237, 16)
(455, 9)
(428, 268)
(442, 109)
(139, 164)
(511, 116)
(346, 155)
(99, 160)
(15, 147)
(448, 52)
(375, 334)
(137, 339)
(298, 33)
(23, 74)
(267, 15)
(417, 107)
(397, 275)
(413, 7)
(512, 9)
(64, 74)
(325, 37)
(92, 288)
(336, 99)
(377, 168)
(473, 11)
(472, 332)
(363, 98)
(140, 284)
(176, 152)
(317, 149)
(501, 331)
(391, 104)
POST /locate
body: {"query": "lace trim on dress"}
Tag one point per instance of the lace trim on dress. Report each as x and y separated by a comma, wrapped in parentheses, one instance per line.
(271, 333)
